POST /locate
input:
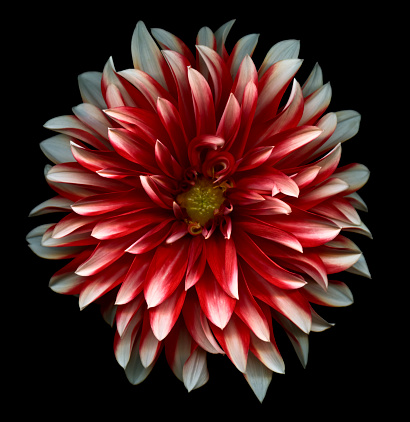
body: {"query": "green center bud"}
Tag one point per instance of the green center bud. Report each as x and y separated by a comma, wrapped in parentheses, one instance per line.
(201, 200)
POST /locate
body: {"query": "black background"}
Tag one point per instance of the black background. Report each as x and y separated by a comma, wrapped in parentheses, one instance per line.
(61, 359)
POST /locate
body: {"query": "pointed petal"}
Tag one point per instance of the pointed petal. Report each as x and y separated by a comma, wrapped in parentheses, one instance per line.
(163, 316)
(195, 372)
(215, 303)
(258, 376)
(287, 49)
(234, 339)
(90, 88)
(135, 371)
(337, 294)
(245, 46)
(166, 271)
(221, 257)
(150, 346)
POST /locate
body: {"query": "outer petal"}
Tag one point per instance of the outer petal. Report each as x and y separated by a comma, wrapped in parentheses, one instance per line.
(234, 339)
(195, 372)
(258, 376)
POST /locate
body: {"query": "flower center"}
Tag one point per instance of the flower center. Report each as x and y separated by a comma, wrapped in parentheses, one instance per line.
(201, 200)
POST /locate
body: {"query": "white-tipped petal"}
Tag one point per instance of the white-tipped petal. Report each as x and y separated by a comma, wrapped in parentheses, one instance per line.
(258, 376)
(314, 81)
(195, 371)
(287, 49)
(90, 89)
(57, 149)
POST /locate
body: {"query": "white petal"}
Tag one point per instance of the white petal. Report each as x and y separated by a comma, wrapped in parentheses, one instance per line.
(337, 294)
(56, 204)
(360, 268)
(93, 117)
(314, 81)
(124, 345)
(57, 149)
(287, 49)
(146, 55)
(258, 376)
(348, 123)
(318, 323)
(195, 372)
(221, 34)
(317, 102)
(244, 47)
(135, 371)
(90, 89)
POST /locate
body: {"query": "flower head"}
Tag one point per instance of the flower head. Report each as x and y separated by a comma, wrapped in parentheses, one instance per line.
(203, 201)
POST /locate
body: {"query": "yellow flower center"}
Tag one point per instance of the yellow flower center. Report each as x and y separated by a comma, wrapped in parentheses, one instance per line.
(201, 200)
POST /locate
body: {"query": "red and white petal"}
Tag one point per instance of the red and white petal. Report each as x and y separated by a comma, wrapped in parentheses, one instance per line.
(163, 316)
(250, 313)
(234, 339)
(314, 81)
(215, 303)
(220, 36)
(221, 257)
(94, 118)
(337, 294)
(196, 261)
(135, 371)
(298, 338)
(125, 313)
(166, 271)
(123, 343)
(99, 284)
(133, 283)
(166, 162)
(244, 47)
(198, 325)
(146, 56)
(150, 346)
(272, 86)
(355, 175)
(106, 252)
(316, 104)
(203, 103)
(229, 124)
(283, 50)
(55, 204)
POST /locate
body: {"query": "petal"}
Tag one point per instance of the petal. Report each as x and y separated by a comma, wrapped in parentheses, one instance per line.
(272, 86)
(287, 49)
(163, 316)
(316, 104)
(234, 339)
(250, 313)
(215, 303)
(196, 261)
(314, 81)
(126, 313)
(90, 88)
(337, 294)
(258, 376)
(246, 73)
(166, 162)
(229, 124)
(166, 271)
(245, 46)
(106, 252)
(355, 175)
(147, 57)
(198, 325)
(195, 372)
(203, 103)
(55, 204)
(221, 257)
(135, 371)
(99, 284)
(58, 149)
(133, 282)
(150, 346)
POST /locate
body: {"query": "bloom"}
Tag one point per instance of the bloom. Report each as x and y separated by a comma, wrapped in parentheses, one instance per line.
(204, 204)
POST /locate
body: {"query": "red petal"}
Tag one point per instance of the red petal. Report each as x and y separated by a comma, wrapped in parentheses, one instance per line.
(230, 121)
(215, 303)
(151, 188)
(107, 202)
(166, 162)
(196, 261)
(221, 257)
(166, 271)
(107, 252)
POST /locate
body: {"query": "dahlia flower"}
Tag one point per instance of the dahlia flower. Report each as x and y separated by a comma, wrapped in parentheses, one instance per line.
(204, 204)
